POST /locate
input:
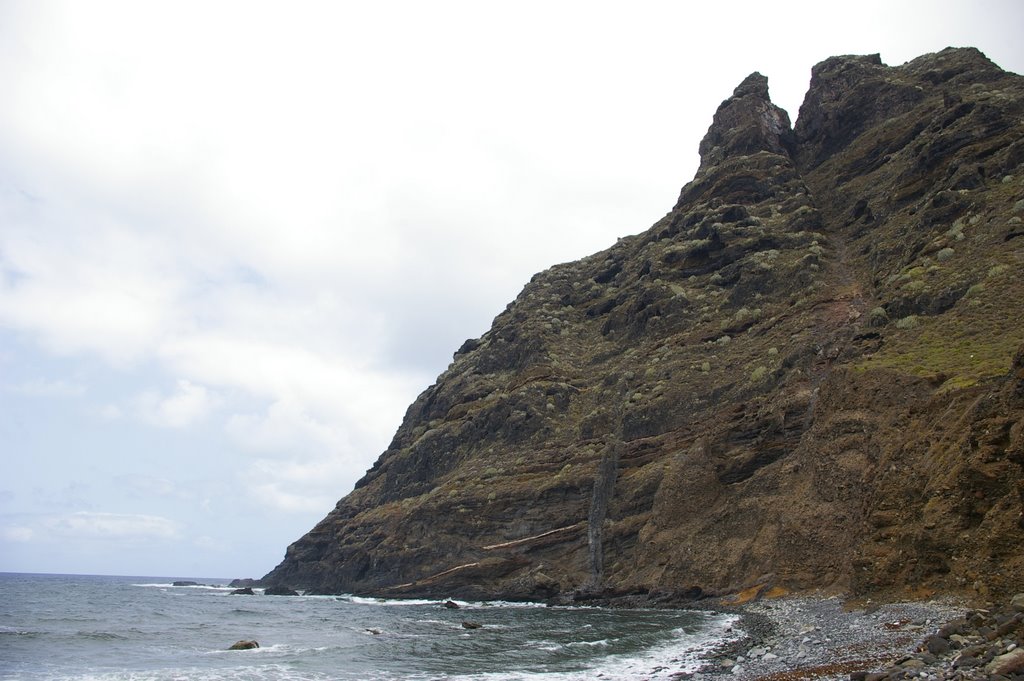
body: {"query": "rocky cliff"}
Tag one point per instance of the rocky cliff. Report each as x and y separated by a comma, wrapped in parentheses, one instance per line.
(808, 374)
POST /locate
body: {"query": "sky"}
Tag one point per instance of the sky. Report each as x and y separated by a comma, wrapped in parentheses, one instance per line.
(237, 239)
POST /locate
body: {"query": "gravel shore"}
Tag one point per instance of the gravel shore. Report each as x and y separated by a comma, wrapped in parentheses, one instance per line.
(788, 639)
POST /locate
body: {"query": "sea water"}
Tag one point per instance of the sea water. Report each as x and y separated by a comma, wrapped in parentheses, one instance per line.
(63, 627)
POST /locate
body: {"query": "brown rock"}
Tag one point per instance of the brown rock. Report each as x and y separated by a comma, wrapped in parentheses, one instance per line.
(244, 645)
(707, 402)
(1009, 663)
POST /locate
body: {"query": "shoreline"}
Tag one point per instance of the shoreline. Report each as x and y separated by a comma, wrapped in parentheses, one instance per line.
(816, 636)
(800, 638)
(820, 637)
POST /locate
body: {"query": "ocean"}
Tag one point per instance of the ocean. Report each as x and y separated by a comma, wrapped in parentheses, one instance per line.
(102, 628)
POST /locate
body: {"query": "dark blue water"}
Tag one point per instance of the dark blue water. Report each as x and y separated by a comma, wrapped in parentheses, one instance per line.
(140, 628)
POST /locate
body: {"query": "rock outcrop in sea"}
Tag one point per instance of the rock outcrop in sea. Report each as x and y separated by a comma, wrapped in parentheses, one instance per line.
(808, 375)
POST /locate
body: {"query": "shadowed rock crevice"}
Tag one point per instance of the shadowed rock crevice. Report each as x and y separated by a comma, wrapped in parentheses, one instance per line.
(604, 487)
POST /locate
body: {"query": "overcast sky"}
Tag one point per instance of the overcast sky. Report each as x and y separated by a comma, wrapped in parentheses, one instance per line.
(238, 238)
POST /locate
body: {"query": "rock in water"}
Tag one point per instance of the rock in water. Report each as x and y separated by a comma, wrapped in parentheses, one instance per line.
(451, 605)
(472, 625)
(280, 590)
(244, 591)
(804, 370)
(244, 645)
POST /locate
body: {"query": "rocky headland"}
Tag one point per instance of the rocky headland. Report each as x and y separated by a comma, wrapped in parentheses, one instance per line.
(808, 376)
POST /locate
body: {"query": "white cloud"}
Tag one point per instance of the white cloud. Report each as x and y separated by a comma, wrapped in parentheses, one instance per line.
(94, 288)
(189, 404)
(301, 216)
(208, 543)
(287, 429)
(17, 533)
(147, 486)
(86, 525)
(273, 495)
(110, 412)
(302, 462)
(44, 387)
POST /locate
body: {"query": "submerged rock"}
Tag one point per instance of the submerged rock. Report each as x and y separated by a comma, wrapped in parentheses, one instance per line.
(244, 645)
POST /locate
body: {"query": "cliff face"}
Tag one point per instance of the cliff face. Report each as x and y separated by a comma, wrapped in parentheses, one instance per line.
(807, 374)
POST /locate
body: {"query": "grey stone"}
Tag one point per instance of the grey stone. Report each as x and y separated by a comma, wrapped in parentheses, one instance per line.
(937, 645)
(1009, 663)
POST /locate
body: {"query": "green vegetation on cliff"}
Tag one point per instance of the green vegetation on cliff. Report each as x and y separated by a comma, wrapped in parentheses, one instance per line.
(807, 374)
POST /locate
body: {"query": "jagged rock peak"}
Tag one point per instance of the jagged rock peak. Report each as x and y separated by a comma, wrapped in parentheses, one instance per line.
(745, 124)
(852, 93)
(754, 84)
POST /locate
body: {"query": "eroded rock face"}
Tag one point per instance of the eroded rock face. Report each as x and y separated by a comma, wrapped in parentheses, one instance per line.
(803, 375)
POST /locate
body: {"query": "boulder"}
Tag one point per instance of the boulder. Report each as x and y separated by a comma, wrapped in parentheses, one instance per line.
(472, 625)
(244, 645)
(241, 583)
(244, 591)
(936, 645)
(451, 605)
(1010, 663)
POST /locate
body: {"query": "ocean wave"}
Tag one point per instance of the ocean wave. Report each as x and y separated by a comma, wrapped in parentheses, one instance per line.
(579, 644)
(361, 600)
(169, 585)
(265, 672)
(682, 654)
(101, 636)
(12, 631)
(468, 605)
(273, 649)
(554, 646)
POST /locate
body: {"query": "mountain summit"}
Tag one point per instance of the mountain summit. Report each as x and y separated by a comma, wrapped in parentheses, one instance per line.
(808, 374)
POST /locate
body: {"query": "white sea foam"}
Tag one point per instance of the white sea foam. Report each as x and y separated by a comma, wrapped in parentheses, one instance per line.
(360, 600)
(683, 653)
(599, 642)
(267, 672)
(168, 585)
(469, 605)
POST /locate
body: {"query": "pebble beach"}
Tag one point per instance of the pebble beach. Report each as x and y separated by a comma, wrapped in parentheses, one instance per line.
(796, 638)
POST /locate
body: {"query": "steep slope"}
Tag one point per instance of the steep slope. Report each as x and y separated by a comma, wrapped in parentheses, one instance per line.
(802, 375)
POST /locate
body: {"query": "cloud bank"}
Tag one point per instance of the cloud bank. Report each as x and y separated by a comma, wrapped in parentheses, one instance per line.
(237, 239)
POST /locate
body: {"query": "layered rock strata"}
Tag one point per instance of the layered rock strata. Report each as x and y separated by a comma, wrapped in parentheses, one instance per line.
(808, 374)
